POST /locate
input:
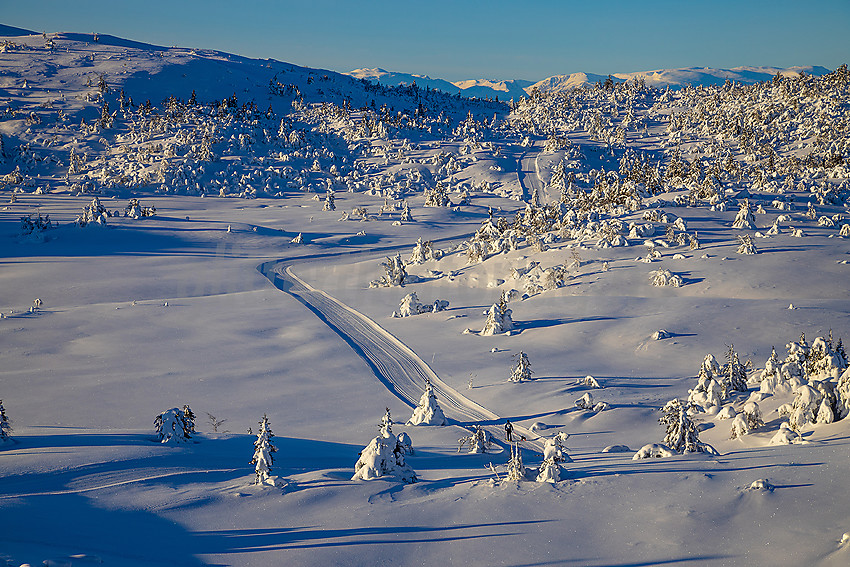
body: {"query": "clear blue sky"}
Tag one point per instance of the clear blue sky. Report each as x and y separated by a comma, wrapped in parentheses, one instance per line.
(473, 38)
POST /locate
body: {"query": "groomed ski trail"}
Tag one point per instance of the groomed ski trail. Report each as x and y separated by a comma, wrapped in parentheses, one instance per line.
(396, 365)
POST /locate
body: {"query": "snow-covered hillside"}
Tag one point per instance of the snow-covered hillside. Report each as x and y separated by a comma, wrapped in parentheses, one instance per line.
(517, 88)
(476, 88)
(240, 296)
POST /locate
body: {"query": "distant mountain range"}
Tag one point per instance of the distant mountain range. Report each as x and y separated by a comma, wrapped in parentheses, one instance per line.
(516, 88)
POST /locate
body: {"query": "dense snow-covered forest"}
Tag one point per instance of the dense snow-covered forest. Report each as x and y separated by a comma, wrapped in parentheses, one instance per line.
(600, 323)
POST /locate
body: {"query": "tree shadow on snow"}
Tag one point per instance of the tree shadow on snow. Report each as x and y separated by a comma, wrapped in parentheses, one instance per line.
(314, 537)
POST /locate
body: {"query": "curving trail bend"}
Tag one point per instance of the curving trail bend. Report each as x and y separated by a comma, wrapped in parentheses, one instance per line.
(393, 363)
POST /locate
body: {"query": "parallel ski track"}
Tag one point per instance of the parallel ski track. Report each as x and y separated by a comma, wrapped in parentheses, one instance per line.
(394, 363)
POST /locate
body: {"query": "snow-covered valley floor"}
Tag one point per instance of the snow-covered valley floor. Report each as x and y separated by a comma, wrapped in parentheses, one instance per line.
(248, 293)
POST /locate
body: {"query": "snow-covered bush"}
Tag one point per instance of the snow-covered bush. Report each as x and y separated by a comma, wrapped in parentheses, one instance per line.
(173, 427)
(665, 278)
(785, 435)
(653, 451)
(522, 369)
(409, 306)
(590, 382)
(264, 454)
(428, 412)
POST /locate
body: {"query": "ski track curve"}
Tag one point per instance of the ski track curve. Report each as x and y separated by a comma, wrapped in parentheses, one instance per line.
(395, 365)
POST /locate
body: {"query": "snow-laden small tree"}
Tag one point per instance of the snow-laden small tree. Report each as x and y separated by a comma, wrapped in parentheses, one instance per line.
(5, 424)
(409, 306)
(516, 470)
(330, 201)
(189, 419)
(422, 252)
(682, 433)
(478, 442)
(554, 448)
(843, 395)
(405, 213)
(822, 361)
(522, 369)
(804, 410)
(386, 427)
(708, 391)
(171, 426)
(384, 456)
(395, 274)
(746, 245)
(428, 412)
(263, 453)
(745, 218)
(499, 318)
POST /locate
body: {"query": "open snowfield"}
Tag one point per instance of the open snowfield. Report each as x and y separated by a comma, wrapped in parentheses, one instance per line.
(255, 290)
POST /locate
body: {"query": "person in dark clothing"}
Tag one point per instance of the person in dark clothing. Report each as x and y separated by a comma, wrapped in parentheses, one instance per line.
(509, 429)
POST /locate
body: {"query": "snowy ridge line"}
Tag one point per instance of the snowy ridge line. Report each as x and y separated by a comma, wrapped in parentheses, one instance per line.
(395, 364)
(111, 484)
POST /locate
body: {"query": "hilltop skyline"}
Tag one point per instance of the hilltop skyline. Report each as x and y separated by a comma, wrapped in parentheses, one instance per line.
(475, 40)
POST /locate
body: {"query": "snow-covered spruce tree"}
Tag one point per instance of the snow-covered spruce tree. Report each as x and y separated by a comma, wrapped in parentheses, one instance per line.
(171, 427)
(734, 377)
(428, 412)
(522, 369)
(5, 425)
(263, 453)
(405, 213)
(329, 204)
(682, 434)
(499, 318)
(189, 419)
